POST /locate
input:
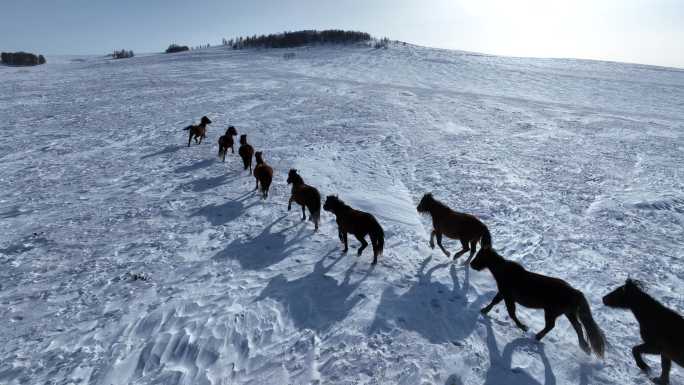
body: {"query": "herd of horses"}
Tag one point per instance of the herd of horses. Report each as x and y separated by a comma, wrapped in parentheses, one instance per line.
(661, 328)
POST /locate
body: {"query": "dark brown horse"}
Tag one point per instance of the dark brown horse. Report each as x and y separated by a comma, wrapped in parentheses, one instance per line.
(225, 142)
(662, 330)
(464, 227)
(357, 223)
(263, 174)
(305, 196)
(246, 151)
(198, 131)
(536, 291)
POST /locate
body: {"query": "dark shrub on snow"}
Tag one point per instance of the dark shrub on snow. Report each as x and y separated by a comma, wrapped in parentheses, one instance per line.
(173, 48)
(123, 54)
(22, 59)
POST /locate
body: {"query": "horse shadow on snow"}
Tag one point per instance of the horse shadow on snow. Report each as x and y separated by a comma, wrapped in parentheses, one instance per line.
(436, 311)
(316, 301)
(264, 250)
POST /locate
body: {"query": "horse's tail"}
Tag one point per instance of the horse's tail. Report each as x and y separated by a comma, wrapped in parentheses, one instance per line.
(187, 128)
(596, 338)
(486, 239)
(378, 238)
(315, 208)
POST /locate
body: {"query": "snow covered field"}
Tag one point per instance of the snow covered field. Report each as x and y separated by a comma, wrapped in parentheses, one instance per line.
(576, 167)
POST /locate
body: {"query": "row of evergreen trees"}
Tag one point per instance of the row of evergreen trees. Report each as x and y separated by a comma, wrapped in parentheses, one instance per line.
(177, 48)
(21, 59)
(298, 39)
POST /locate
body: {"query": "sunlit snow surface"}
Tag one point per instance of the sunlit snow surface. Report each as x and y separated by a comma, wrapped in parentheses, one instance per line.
(576, 167)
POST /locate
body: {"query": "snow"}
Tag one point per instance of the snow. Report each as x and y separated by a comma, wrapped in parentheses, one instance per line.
(574, 165)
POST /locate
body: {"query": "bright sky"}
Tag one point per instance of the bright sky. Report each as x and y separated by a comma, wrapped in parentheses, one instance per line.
(642, 31)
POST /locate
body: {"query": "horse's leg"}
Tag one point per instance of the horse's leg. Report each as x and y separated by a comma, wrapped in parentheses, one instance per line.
(497, 298)
(346, 243)
(550, 319)
(572, 317)
(257, 184)
(666, 365)
(439, 243)
(303, 212)
(364, 244)
(289, 203)
(473, 245)
(510, 306)
(638, 350)
(464, 249)
(189, 137)
(432, 239)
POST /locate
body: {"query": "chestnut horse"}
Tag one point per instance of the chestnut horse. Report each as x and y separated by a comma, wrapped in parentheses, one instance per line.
(536, 291)
(263, 174)
(246, 151)
(225, 142)
(464, 227)
(662, 330)
(358, 223)
(305, 196)
(198, 131)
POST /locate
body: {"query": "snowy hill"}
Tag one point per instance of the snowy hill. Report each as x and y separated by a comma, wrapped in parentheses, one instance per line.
(575, 166)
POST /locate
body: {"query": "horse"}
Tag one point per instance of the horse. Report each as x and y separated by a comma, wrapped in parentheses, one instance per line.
(198, 131)
(662, 329)
(464, 227)
(357, 223)
(305, 196)
(536, 291)
(246, 151)
(225, 142)
(263, 174)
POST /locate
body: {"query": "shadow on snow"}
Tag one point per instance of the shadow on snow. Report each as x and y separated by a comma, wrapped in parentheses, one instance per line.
(316, 301)
(436, 311)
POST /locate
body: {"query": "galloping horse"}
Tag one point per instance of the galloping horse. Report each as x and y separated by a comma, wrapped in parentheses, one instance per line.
(225, 142)
(661, 328)
(263, 174)
(464, 227)
(305, 196)
(198, 131)
(536, 291)
(358, 223)
(246, 151)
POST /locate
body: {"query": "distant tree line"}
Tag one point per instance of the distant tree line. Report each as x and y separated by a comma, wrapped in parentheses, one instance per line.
(298, 39)
(123, 54)
(173, 48)
(21, 59)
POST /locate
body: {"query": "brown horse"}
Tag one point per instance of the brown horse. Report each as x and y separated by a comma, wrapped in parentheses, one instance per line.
(198, 131)
(661, 328)
(536, 291)
(225, 142)
(263, 174)
(358, 223)
(305, 196)
(464, 227)
(246, 151)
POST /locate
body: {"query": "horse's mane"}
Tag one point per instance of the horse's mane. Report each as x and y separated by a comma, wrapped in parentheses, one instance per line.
(339, 203)
(296, 178)
(437, 204)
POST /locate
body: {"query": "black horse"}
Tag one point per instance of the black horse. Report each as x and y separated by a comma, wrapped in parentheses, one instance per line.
(661, 328)
(536, 291)
(358, 223)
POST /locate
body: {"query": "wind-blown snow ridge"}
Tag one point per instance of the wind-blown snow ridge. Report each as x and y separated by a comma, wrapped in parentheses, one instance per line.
(574, 166)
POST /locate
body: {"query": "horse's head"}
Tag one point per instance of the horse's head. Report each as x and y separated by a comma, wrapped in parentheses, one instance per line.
(623, 295)
(332, 203)
(484, 258)
(231, 131)
(205, 120)
(243, 139)
(424, 205)
(293, 177)
(259, 156)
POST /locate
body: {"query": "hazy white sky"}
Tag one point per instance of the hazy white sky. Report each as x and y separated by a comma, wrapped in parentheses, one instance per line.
(643, 31)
